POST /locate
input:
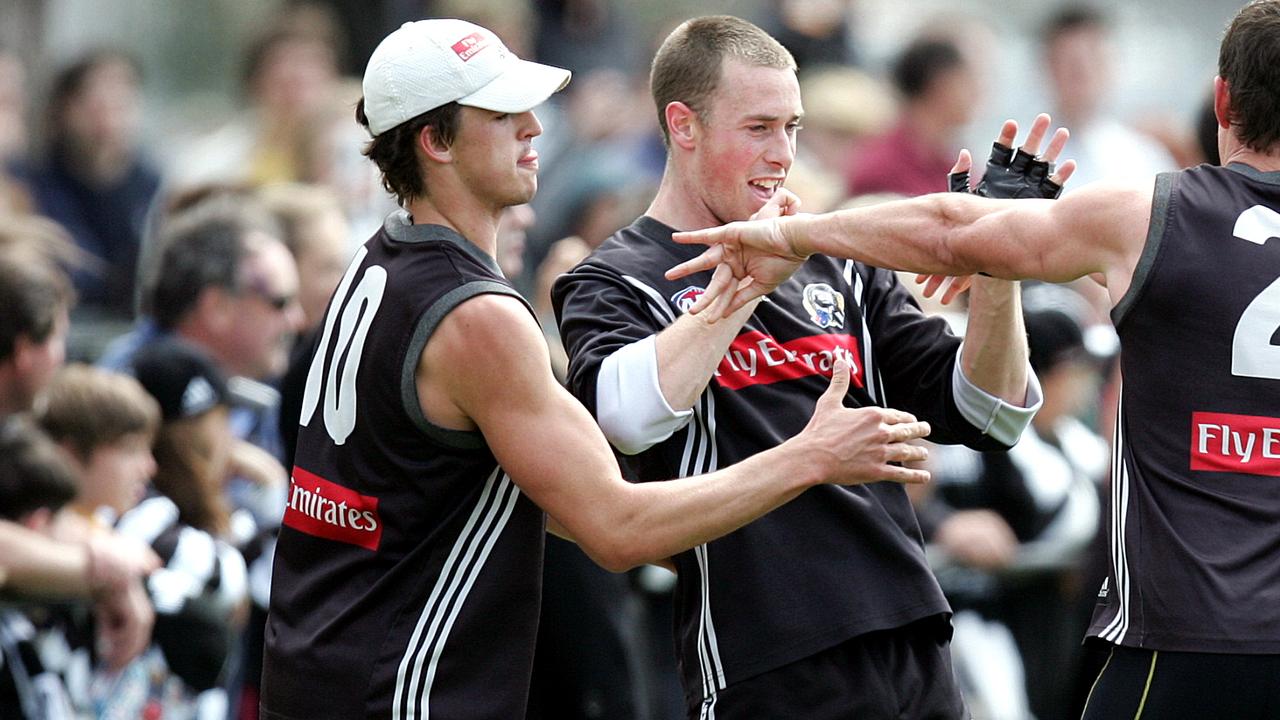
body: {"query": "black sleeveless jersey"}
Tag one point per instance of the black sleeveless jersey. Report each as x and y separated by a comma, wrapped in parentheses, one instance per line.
(834, 563)
(1195, 499)
(408, 571)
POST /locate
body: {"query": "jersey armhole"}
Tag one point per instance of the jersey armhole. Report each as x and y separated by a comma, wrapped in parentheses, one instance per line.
(1161, 210)
(427, 324)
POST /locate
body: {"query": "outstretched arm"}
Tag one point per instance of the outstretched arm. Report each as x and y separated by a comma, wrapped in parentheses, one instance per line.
(553, 450)
(1100, 228)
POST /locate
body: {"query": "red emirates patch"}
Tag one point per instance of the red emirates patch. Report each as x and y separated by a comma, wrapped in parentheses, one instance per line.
(328, 510)
(468, 46)
(1222, 442)
(758, 359)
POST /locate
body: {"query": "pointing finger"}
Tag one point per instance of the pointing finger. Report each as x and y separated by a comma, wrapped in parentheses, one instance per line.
(708, 260)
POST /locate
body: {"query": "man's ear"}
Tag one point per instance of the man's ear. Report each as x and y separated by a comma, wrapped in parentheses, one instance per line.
(1222, 102)
(431, 145)
(682, 125)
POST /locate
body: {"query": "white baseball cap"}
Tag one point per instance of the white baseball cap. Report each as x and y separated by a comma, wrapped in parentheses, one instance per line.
(429, 63)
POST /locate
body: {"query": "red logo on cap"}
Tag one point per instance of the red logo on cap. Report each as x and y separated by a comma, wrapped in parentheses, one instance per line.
(470, 45)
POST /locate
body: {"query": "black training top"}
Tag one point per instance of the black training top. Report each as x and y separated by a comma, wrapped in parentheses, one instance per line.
(408, 571)
(834, 563)
(1195, 500)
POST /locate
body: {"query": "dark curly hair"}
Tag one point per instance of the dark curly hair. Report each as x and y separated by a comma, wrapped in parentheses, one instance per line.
(393, 150)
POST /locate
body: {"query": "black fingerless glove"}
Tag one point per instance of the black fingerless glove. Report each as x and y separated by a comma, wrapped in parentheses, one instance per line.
(1010, 175)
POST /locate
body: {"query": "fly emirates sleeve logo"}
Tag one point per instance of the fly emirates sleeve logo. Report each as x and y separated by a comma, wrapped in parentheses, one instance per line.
(324, 509)
(758, 359)
(1221, 442)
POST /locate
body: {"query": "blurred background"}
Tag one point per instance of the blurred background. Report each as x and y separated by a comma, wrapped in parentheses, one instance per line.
(131, 123)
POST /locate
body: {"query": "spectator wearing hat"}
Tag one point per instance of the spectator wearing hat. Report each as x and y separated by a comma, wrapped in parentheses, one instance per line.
(226, 283)
(201, 590)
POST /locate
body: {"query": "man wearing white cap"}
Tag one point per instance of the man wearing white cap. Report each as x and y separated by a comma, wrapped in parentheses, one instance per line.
(433, 434)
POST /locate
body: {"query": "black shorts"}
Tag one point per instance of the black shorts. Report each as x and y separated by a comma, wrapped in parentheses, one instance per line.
(1165, 685)
(899, 674)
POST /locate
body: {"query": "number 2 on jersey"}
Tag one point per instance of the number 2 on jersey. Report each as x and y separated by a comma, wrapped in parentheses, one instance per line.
(339, 378)
(1254, 352)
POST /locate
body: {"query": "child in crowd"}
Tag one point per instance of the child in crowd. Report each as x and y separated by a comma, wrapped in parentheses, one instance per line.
(35, 481)
(111, 424)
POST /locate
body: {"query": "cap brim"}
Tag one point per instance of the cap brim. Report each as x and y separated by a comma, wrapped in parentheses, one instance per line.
(522, 86)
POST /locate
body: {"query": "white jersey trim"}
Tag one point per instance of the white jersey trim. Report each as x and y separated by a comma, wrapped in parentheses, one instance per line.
(1115, 630)
(700, 435)
(465, 561)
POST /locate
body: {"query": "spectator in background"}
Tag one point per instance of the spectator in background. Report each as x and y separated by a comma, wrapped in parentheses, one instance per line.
(105, 422)
(35, 482)
(815, 31)
(201, 591)
(93, 178)
(290, 74)
(316, 233)
(13, 132)
(331, 157)
(939, 90)
(1078, 58)
(842, 107)
(37, 296)
(227, 284)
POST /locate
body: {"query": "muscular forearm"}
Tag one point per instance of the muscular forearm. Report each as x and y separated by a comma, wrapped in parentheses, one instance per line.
(690, 350)
(995, 348)
(653, 521)
(958, 234)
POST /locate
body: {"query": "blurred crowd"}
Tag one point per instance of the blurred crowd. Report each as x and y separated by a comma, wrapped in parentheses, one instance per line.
(157, 303)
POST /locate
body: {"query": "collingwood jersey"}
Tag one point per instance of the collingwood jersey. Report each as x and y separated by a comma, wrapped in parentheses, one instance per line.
(834, 563)
(408, 570)
(1195, 498)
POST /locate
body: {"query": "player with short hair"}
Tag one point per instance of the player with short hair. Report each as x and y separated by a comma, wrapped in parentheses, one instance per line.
(1190, 263)
(407, 575)
(826, 607)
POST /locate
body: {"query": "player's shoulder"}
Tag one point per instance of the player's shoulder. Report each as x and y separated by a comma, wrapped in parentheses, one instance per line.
(486, 326)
